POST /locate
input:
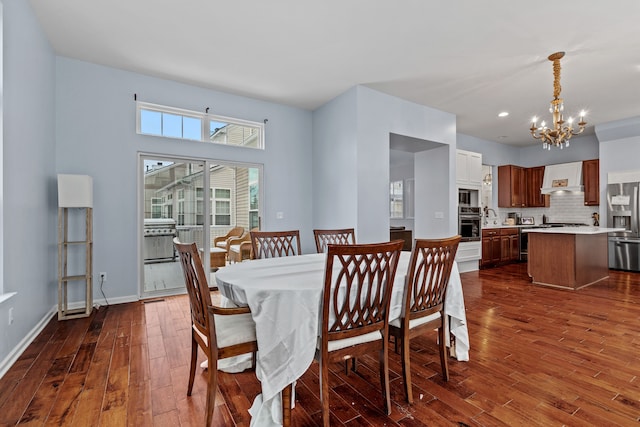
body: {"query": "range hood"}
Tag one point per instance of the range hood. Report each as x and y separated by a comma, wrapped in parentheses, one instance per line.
(562, 177)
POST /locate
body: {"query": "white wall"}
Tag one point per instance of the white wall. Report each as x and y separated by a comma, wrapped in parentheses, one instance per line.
(363, 119)
(379, 115)
(335, 186)
(29, 199)
(96, 135)
(492, 153)
(436, 209)
(583, 147)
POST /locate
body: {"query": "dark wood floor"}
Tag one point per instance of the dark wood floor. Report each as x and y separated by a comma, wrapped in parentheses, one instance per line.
(539, 356)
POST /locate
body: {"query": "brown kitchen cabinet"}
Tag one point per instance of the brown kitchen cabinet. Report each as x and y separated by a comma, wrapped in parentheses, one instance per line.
(509, 245)
(591, 182)
(499, 246)
(533, 178)
(511, 186)
(491, 249)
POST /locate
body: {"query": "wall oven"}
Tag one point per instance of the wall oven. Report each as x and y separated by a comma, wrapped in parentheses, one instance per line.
(469, 223)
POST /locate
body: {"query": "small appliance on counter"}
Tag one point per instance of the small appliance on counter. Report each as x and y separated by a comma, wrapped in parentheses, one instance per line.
(527, 220)
(515, 216)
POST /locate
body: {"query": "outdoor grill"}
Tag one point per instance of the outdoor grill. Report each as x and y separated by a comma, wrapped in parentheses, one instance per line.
(158, 240)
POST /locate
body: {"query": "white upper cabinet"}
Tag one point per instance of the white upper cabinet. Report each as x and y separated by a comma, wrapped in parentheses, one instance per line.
(468, 169)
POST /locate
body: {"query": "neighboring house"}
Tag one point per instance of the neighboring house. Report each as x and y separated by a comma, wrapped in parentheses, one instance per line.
(176, 191)
(233, 134)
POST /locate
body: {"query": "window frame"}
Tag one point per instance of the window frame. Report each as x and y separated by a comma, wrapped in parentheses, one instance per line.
(214, 205)
(205, 119)
(157, 205)
(396, 199)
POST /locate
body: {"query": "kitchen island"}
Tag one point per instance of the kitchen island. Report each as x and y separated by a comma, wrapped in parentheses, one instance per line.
(568, 257)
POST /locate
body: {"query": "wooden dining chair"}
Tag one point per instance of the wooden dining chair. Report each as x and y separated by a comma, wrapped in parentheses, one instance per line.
(355, 308)
(274, 244)
(342, 236)
(219, 332)
(424, 295)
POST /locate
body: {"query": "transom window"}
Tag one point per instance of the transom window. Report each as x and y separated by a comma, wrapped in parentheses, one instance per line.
(172, 122)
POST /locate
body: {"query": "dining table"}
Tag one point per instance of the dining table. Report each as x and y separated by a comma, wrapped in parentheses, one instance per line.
(285, 295)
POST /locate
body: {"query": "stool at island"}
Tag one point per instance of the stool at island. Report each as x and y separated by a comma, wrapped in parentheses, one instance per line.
(75, 246)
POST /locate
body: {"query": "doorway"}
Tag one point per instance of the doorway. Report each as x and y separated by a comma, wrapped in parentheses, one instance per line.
(195, 200)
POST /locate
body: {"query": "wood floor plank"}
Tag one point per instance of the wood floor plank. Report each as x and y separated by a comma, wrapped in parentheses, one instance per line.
(539, 356)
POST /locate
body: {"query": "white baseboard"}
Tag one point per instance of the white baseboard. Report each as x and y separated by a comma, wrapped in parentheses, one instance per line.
(33, 333)
(118, 300)
(466, 266)
(24, 343)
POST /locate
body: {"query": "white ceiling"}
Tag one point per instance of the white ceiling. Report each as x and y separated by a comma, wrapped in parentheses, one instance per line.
(468, 57)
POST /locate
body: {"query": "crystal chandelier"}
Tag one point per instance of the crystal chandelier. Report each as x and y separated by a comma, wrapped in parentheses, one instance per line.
(561, 132)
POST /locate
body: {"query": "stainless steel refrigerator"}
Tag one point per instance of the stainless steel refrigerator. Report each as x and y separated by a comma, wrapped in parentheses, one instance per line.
(623, 210)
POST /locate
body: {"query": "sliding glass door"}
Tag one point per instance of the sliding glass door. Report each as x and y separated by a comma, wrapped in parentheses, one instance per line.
(195, 201)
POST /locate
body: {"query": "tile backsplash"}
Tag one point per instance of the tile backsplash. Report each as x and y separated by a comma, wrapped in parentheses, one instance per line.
(564, 207)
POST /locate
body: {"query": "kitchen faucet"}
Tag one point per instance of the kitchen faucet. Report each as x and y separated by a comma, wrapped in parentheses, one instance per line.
(486, 215)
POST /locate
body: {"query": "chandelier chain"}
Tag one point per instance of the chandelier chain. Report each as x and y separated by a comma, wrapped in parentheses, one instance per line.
(556, 79)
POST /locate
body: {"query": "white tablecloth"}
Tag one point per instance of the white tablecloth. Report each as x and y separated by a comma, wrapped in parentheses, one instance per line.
(284, 295)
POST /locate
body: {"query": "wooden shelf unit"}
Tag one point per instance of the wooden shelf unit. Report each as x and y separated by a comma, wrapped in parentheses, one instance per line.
(64, 278)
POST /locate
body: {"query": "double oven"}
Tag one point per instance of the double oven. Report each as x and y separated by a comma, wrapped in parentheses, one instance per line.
(469, 223)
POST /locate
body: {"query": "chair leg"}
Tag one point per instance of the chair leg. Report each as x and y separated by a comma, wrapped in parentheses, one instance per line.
(354, 365)
(406, 366)
(211, 390)
(194, 359)
(443, 354)
(286, 405)
(384, 375)
(324, 392)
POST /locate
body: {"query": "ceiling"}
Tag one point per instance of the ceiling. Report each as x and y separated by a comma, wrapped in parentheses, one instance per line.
(471, 58)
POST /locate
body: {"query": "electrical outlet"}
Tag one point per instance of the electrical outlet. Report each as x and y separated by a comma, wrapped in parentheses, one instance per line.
(103, 276)
(11, 316)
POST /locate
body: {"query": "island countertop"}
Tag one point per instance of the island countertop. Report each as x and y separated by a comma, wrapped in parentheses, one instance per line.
(572, 230)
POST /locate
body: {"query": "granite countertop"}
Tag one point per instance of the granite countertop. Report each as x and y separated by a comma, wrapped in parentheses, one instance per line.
(572, 230)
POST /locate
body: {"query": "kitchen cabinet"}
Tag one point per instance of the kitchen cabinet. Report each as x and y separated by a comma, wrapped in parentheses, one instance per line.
(533, 181)
(509, 245)
(591, 182)
(468, 169)
(511, 186)
(491, 247)
(499, 246)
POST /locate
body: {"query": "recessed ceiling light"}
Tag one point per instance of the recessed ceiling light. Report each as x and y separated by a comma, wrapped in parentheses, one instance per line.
(503, 114)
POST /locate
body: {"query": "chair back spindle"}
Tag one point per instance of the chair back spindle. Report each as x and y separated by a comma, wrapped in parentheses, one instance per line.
(274, 244)
(341, 236)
